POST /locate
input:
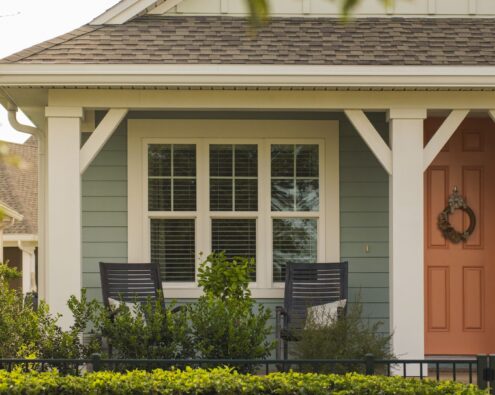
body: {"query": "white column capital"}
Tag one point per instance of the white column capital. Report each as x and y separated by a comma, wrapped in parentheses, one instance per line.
(64, 112)
(406, 113)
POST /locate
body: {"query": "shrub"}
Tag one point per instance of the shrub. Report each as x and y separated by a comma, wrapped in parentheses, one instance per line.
(348, 337)
(221, 381)
(226, 321)
(29, 332)
(153, 332)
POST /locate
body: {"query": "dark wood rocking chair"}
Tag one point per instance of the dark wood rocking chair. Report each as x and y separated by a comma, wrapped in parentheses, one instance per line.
(307, 285)
(130, 282)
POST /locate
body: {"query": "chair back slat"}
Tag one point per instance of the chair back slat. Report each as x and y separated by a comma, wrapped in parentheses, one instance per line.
(312, 284)
(130, 282)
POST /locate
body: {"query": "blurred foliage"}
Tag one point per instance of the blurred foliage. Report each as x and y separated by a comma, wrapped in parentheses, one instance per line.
(260, 9)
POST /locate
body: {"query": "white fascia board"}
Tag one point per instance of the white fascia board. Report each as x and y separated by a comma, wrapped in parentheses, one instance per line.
(10, 212)
(15, 237)
(122, 12)
(247, 75)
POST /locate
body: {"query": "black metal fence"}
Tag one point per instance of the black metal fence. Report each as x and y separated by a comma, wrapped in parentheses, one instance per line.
(479, 370)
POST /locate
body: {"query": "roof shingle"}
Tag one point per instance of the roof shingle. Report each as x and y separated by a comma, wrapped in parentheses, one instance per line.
(19, 187)
(311, 41)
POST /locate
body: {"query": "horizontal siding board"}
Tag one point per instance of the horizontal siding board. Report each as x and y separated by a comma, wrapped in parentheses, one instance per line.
(363, 219)
(363, 174)
(365, 234)
(106, 173)
(96, 219)
(104, 204)
(358, 249)
(104, 188)
(92, 265)
(104, 250)
(104, 234)
(363, 189)
(372, 204)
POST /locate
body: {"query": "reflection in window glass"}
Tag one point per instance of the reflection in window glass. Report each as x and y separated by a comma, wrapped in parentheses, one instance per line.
(294, 177)
(233, 177)
(294, 240)
(172, 177)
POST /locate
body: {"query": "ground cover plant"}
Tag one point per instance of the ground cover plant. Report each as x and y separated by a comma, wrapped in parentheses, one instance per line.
(221, 381)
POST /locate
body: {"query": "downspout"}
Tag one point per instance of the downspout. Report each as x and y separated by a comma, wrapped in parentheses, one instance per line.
(42, 164)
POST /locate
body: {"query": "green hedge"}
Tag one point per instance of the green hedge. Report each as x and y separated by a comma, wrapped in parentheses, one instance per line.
(220, 381)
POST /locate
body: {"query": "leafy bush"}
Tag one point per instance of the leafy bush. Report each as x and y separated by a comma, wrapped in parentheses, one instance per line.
(152, 332)
(221, 382)
(226, 321)
(348, 337)
(29, 332)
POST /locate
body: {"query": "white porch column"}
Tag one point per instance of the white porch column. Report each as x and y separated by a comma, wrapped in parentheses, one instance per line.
(63, 217)
(28, 266)
(406, 233)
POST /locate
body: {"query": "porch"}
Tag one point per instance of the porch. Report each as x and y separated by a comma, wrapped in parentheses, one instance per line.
(371, 154)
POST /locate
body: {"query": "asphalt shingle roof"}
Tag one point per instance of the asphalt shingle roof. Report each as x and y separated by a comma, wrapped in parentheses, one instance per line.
(311, 41)
(19, 187)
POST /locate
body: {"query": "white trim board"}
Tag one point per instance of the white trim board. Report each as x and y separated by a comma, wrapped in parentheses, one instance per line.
(123, 11)
(141, 132)
(456, 77)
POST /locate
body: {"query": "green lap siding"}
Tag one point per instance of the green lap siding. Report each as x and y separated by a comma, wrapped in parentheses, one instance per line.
(104, 210)
(364, 222)
(363, 216)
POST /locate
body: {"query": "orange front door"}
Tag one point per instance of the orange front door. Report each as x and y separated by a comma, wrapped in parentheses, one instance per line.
(460, 278)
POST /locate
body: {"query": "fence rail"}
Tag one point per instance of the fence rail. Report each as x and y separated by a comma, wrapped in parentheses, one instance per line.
(479, 370)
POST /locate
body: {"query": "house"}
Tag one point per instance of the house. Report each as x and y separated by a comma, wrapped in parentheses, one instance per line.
(18, 190)
(169, 128)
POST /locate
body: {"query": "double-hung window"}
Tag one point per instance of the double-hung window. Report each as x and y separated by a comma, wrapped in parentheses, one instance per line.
(266, 198)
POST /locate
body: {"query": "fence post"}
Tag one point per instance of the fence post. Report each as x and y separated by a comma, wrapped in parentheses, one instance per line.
(369, 361)
(481, 366)
(491, 379)
(96, 362)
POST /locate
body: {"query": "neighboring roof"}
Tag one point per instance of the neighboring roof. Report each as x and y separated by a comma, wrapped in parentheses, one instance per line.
(19, 187)
(302, 41)
(10, 212)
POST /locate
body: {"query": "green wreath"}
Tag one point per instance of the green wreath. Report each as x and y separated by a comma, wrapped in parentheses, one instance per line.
(456, 202)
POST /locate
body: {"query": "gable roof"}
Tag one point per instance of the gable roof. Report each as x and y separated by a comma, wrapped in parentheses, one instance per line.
(301, 41)
(19, 187)
(126, 10)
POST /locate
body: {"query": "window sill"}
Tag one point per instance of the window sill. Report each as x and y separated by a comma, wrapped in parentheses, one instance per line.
(195, 292)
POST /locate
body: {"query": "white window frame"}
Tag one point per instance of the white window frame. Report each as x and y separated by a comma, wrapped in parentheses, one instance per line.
(206, 132)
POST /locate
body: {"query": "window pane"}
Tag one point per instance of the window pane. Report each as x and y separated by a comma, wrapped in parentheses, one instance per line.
(294, 240)
(246, 160)
(246, 195)
(159, 160)
(307, 161)
(233, 177)
(307, 195)
(237, 237)
(283, 195)
(184, 160)
(282, 160)
(221, 160)
(184, 194)
(159, 195)
(220, 195)
(173, 247)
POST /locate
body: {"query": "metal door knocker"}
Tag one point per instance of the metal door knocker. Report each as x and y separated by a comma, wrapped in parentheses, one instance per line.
(456, 202)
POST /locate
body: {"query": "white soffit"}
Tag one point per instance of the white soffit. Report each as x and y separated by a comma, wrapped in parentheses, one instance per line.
(125, 10)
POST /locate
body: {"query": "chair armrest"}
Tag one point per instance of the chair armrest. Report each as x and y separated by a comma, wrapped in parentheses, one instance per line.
(178, 309)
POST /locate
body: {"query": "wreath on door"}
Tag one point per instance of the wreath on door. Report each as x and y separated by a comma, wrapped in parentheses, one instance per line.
(456, 202)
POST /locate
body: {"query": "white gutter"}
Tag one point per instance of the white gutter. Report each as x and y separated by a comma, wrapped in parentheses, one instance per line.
(247, 75)
(42, 164)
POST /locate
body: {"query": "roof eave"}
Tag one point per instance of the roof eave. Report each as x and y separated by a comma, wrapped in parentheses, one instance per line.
(88, 75)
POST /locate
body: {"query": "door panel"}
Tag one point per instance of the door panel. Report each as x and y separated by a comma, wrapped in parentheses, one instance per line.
(460, 278)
